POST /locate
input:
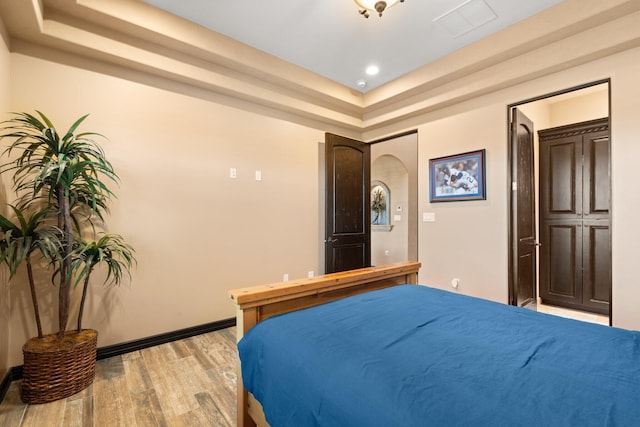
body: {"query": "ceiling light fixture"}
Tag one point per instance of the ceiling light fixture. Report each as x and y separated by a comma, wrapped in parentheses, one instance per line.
(379, 6)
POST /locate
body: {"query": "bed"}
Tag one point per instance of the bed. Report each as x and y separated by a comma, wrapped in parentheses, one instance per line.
(365, 348)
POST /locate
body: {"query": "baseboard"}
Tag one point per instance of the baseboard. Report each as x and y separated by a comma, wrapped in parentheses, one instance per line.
(15, 373)
(12, 374)
(4, 385)
(128, 347)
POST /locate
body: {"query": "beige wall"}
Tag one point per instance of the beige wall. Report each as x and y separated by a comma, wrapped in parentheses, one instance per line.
(574, 107)
(5, 85)
(579, 109)
(469, 239)
(197, 232)
(625, 150)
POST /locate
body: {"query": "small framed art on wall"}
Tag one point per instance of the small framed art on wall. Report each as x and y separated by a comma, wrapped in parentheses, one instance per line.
(457, 177)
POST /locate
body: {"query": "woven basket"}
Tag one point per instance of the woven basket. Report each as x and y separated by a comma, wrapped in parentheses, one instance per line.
(55, 369)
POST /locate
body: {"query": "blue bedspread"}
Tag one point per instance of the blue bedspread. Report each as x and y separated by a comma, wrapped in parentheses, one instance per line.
(417, 356)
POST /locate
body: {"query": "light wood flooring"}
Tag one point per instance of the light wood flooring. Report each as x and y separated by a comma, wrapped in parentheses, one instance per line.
(190, 382)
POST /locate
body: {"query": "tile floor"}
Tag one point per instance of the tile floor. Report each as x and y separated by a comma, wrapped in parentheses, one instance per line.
(573, 314)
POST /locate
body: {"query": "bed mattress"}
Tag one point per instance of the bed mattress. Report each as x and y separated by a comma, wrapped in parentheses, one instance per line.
(412, 355)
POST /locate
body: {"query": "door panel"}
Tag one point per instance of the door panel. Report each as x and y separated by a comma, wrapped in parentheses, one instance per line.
(562, 175)
(348, 194)
(597, 187)
(559, 267)
(597, 278)
(348, 238)
(348, 257)
(522, 289)
(526, 264)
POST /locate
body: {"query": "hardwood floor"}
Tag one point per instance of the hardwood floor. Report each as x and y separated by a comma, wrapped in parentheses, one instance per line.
(191, 382)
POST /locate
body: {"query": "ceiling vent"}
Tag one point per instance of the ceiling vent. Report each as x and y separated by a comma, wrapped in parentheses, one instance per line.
(466, 17)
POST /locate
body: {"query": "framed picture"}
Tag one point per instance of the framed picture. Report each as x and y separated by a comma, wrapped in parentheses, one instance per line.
(457, 177)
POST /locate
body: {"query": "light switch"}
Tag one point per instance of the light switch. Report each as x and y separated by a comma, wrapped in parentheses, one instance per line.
(258, 175)
(232, 173)
(428, 217)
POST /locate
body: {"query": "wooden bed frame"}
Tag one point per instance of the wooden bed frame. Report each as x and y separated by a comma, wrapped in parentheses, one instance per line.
(257, 303)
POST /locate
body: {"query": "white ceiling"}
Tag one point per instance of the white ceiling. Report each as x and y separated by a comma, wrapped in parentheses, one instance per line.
(330, 37)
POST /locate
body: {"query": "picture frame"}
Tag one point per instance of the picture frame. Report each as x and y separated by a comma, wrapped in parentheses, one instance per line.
(457, 177)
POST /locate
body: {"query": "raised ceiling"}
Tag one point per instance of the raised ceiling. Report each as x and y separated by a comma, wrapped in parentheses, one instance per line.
(135, 40)
(330, 37)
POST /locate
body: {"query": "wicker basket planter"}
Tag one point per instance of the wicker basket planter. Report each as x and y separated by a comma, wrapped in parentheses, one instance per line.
(55, 369)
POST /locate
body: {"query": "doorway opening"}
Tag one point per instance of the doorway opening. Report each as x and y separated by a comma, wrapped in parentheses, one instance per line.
(348, 189)
(394, 164)
(556, 113)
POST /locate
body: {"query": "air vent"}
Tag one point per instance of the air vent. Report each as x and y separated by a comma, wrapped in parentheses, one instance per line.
(466, 17)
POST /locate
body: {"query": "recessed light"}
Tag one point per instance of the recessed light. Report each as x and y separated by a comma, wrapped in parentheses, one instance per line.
(372, 70)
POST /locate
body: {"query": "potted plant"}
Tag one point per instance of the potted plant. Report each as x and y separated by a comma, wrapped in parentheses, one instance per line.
(60, 181)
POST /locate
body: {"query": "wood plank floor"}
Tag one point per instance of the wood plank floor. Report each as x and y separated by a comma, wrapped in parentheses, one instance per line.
(190, 382)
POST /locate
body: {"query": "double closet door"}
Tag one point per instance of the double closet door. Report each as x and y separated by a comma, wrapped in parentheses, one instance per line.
(575, 202)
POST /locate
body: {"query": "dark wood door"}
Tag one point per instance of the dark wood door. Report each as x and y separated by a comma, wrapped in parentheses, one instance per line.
(348, 227)
(575, 193)
(522, 288)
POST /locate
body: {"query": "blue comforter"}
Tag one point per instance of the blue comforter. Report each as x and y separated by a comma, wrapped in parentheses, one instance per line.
(417, 356)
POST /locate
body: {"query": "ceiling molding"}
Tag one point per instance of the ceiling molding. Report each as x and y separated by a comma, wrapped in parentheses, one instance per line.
(128, 36)
(546, 28)
(599, 42)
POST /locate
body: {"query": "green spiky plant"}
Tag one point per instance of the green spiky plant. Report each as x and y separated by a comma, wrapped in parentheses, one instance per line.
(110, 250)
(67, 174)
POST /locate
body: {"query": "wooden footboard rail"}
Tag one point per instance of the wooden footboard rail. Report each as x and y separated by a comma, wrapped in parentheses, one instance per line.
(257, 303)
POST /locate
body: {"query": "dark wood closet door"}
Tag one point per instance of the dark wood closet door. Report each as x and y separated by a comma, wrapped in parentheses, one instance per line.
(348, 225)
(596, 256)
(575, 258)
(561, 220)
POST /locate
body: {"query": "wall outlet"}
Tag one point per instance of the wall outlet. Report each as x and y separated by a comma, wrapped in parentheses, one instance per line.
(428, 216)
(310, 274)
(285, 277)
